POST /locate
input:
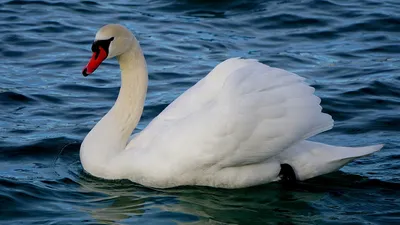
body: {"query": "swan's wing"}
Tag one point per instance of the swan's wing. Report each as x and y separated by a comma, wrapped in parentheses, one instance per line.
(257, 112)
(271, 109)
(195, 98)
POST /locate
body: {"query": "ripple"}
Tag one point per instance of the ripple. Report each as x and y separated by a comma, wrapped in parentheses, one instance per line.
(15, 54)
(83, 88)
(12, 98)
(288, 21)
(390, 123)
(377, 88)
(43, 148)
(48, 98)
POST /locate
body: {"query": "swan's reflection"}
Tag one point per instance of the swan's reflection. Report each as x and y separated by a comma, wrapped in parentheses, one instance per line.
(129, 202)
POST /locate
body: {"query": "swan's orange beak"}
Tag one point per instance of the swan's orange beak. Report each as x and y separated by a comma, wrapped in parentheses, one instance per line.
(97, 58)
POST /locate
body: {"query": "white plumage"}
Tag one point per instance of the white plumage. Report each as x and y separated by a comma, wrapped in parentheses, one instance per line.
(232, 129)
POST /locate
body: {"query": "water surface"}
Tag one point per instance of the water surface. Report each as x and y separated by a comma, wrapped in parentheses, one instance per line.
(348, 50)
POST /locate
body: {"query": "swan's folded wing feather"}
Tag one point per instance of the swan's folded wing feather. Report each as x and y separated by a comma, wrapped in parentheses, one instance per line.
(257, 112)
(271, 109)
(195, 98)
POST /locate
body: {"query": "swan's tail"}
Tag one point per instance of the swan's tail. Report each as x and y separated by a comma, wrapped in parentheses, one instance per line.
(311, 159)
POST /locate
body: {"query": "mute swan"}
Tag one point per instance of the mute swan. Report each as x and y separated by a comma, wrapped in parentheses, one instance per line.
(243, 124)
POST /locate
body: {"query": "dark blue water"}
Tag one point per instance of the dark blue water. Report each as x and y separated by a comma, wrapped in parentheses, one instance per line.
(347, 49)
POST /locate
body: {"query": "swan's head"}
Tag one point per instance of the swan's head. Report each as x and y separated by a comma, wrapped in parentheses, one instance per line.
(110, 41)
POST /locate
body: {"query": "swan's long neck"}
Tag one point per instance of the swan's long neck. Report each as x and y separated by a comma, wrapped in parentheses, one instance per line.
(111, 133)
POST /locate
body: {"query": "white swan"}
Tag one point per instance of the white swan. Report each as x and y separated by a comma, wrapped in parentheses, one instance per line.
(243, 124)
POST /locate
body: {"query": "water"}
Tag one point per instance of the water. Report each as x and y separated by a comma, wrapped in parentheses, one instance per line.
(347, 49)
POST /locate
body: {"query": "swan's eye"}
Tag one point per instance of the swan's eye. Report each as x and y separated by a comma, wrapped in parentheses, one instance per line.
(101, 43)
(95, 47)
